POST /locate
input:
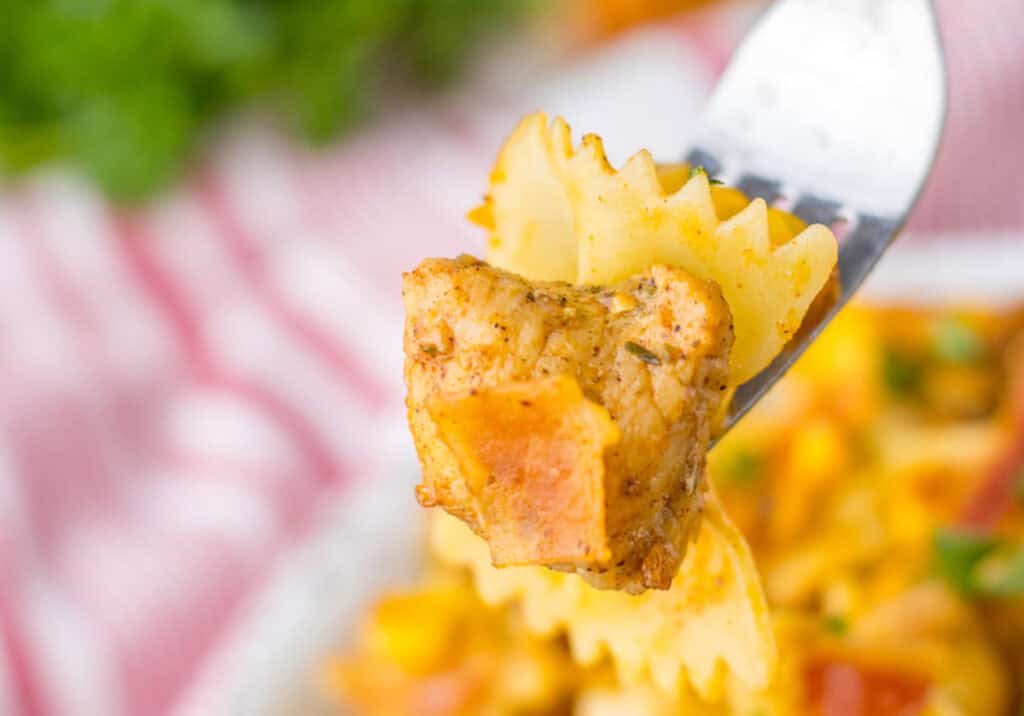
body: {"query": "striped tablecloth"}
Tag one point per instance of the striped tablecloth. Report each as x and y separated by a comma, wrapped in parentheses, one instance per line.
(182, 387)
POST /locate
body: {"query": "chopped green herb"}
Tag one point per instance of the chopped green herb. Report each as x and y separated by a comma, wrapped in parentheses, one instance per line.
(1002, 574)
(901, 374)
(701, 170)
(955, 342)
(642, 353)
(836, 625)
(126, 90)
(980, 565)
(742, 466)
(957, 554)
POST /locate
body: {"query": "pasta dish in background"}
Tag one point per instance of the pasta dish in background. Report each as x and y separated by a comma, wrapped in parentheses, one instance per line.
(881, 489)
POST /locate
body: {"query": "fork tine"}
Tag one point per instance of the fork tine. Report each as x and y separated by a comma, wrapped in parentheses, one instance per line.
(816, 210)
(697, 157)
(758, 187)
(863, 248)
(842, 104)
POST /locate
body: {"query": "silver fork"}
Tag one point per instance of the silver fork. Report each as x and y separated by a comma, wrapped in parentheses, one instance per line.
(833, 110)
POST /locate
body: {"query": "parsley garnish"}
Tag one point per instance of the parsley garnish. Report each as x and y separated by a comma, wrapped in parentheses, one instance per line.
(742, 466)
(701, 170)
(901, 374)
(958, 553)
(953, 341)
(125, 90)
(836, 625)
(979, 565)
(1002, 575)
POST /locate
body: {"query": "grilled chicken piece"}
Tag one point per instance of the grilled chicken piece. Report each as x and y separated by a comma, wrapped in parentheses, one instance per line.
(567, 425)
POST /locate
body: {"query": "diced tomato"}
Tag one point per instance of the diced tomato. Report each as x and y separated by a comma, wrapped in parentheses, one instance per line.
(840, 688)
(995, 497)
(996, 494)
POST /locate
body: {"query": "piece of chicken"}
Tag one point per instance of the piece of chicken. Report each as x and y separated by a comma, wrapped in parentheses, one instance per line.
(567, 425)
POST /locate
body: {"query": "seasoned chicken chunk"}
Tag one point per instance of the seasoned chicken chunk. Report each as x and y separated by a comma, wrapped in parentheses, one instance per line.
(567, 425)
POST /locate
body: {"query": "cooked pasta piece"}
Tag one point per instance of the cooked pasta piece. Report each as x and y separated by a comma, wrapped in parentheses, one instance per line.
(709, 630)
(558, 212)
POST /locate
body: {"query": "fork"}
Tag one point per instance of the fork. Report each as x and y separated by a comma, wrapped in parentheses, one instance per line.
(833, 110)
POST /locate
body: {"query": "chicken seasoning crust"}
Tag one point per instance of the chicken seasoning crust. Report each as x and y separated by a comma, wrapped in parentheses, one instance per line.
(567, 425)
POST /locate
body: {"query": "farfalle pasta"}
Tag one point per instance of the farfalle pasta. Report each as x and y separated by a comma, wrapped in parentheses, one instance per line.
(630, 285)
(558, 212)
(709, 630)
(562, 396)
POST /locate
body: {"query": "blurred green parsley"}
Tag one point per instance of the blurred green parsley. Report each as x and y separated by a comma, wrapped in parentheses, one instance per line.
(123, 89)
(741, 466)
(955, 342)
(836, 625)
(979, 565)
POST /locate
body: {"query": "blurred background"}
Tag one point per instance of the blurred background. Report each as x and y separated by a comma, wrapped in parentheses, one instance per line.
(205, 211)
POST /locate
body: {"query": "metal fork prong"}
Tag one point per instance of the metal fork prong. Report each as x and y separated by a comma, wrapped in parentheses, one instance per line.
(842, 104)
(815, 210)
(857, 257)
(863, 248)
(747, 395)
(758, 187)
(699, 158)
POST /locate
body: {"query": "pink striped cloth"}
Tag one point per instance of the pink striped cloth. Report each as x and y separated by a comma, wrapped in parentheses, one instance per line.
(181, 387)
